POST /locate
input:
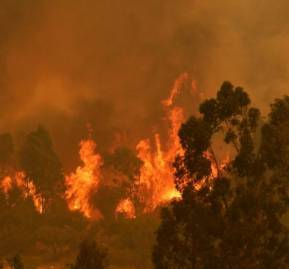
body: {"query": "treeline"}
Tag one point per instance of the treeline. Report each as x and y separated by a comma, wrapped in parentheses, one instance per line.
(233, 214)
(233, 217)
(54, 235)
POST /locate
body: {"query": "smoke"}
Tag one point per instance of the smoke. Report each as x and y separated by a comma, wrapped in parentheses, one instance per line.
(67, 63)
(109, 63)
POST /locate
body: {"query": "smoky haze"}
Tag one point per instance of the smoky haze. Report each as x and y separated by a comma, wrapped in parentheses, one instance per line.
(66, 63)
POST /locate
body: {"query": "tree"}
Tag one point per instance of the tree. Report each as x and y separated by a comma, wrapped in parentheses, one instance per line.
(6, 151)
(229, 215)
(6, 147)
(90, 256)
(15, 262)
(40, 162)
(120, 170)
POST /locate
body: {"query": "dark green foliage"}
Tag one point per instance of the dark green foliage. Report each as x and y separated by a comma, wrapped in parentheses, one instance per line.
(40, 162)
(234, 219)
(90, 256)
(194, 145)
(275, 143)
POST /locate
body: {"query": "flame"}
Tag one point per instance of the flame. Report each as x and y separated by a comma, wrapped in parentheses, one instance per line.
(6, 185)
(126, 208)
(26, 186)
(84, 181)
(176, 89)
(156, 181)
(155, 184)
(29, 190)
(217, 167)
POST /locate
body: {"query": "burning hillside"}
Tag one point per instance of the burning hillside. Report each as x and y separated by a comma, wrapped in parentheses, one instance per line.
(152, 186)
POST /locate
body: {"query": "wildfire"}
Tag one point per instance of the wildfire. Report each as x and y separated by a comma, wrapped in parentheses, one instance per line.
(26, 186)
(84, 181)
(154, 186)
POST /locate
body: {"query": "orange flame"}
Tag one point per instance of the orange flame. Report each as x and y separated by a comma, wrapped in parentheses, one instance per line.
(155, 184)
(84, 181)
(27, 188)
(176, 89)
(126, 207)
(6, 185)
(156, 181)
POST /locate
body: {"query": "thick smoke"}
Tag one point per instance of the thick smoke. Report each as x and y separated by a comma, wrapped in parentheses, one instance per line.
(109, 63)
(105, 66)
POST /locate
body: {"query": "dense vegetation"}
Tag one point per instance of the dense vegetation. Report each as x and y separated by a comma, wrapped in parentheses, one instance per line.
(232, 213)
(233, 218)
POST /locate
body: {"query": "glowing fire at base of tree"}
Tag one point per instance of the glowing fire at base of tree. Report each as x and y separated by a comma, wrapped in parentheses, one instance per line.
(126, 208)
(26, 187)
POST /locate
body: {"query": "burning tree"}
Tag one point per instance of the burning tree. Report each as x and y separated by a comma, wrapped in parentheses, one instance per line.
(229, 216)
(41, 164)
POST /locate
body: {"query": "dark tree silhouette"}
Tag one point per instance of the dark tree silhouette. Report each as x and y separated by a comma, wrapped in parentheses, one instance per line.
(6, 152)
(231, 218)
(90, 256)
(15, 262)
(40, 162)
(124, 161)
(6, 147)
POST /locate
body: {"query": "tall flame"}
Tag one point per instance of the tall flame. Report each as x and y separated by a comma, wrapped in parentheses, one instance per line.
(84, 181)
(156, 181)
(153, 186)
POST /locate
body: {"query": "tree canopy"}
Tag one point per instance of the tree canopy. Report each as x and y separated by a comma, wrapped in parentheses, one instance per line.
(230, 217)
(40, 162)
(90, 256)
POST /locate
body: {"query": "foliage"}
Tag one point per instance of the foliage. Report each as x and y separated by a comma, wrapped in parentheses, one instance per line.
(6, 147)
(40, 162)
(90, 256)
(234, 219)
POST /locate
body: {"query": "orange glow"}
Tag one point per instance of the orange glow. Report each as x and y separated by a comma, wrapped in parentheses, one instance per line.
(176, 89)
(27, 188)
(126, 208)
(84, 181)
(155, 184)
(156, 181)
(6, 185)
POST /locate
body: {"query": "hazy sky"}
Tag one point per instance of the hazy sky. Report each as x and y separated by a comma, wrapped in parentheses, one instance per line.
(66, 63)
